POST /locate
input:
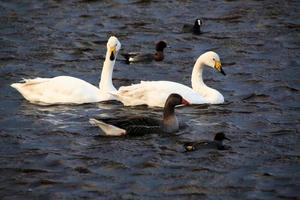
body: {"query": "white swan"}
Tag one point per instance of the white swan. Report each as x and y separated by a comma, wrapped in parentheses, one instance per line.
(71, 90)
(155, 93)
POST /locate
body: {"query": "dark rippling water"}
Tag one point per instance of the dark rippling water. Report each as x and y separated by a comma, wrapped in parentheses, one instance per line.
(53, 153)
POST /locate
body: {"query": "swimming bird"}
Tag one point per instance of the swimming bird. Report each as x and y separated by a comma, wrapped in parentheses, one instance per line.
(132, 57)
(195, 29)
(217, 143)
(136, 125)
(155, 93)
(71, 90)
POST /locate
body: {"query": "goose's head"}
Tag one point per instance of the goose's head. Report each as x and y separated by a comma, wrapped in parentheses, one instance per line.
(175, 100)
(212, 59)
(113, 46)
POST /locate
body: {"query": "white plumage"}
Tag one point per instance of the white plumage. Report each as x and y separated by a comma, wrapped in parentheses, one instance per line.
(71, 90)
(155, 93)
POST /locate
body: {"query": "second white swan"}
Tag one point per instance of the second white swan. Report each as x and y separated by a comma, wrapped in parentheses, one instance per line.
(155, 93)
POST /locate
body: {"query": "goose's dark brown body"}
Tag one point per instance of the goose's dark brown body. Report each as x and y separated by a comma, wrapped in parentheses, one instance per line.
(135, 126)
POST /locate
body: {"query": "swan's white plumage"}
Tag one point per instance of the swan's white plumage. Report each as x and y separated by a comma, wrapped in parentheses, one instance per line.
(58, 90)
(71, 90)
(155, 93)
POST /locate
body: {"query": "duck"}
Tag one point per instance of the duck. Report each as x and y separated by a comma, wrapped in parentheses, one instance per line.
(137, 125)
(71, 90)
(133, 57)
(155, 93)
(195, 29)
(217, 143)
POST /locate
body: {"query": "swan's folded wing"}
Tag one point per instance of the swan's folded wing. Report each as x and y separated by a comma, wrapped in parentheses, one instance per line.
(61, 89)
(155, 93)
(145, 93)
(27, 82)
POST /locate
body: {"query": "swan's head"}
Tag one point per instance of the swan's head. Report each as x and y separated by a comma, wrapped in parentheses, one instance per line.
(212, 59)
(113, 46)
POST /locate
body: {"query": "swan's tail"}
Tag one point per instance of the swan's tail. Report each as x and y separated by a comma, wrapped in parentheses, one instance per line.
(27, 82)
(17, 86)
(107, 128)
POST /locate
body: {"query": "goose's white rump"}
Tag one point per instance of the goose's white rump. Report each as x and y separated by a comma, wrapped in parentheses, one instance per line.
(108, 129)
(155, 93)
(71, 90)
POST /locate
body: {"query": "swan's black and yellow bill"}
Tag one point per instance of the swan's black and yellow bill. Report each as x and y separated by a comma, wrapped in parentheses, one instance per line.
(218, 67)
(112, 53)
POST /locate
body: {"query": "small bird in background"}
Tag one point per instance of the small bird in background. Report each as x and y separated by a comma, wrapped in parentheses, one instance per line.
(195, 29)
(133, 57)
(217, 143)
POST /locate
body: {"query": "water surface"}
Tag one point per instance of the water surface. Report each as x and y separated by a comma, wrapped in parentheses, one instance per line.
(53, 153)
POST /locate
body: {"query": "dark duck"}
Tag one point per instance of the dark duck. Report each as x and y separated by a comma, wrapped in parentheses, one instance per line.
(133, 57)
(136, 125)
(195, 29)
(217, 143)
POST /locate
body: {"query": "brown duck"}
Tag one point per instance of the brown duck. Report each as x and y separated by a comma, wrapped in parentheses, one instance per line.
(133, 57)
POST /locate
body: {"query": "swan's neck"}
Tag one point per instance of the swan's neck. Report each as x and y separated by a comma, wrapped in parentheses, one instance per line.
(197, 82)
(170, 122)
(106, 75)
